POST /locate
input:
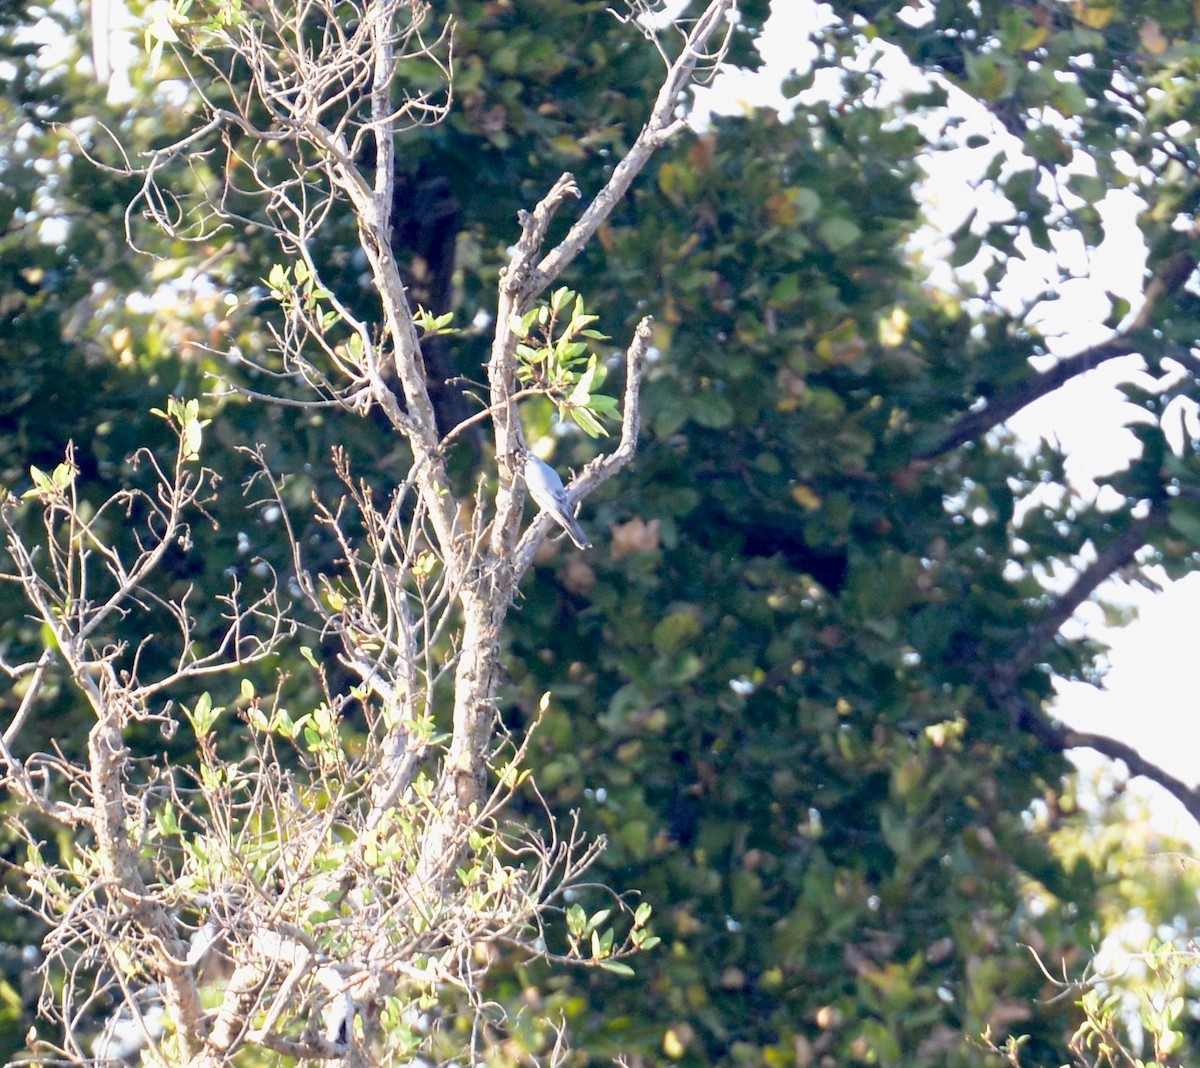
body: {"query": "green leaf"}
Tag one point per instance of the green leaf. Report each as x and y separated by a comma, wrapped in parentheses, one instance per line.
(1184, 518)
(587, 422)
(617, 967)
(965, 249)
(711, 410)
(569, 351)
(671, 417)
(579, 395)
(41, 483)
(676, 630)
(576, 920)
(64, 476)
(192, 436)
(277, 279)
(838, 233)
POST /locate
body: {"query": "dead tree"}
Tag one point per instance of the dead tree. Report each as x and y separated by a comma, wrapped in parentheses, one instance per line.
(342, 887)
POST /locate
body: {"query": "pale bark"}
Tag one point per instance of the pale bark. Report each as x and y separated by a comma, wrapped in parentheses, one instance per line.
(392, 609)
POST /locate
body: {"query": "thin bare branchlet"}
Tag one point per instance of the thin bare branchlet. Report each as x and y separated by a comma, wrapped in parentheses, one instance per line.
(103, 908)
(1119, 1016)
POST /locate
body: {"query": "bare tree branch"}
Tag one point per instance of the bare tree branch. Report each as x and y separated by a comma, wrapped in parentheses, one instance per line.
(1004, 405)
(664, 123)
(1002, 680)
(1058, 738)
(1109, 560)
(1189, 796)
(1174, 273)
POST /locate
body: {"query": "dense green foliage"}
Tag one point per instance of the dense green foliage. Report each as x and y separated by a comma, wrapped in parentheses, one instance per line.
(799, 683)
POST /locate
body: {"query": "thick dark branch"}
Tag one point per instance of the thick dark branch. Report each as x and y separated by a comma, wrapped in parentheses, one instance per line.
(1059, 739)
(1002, 682)
(1173, 274)
(1117, 554)
(1005, 405)
(1189, 796)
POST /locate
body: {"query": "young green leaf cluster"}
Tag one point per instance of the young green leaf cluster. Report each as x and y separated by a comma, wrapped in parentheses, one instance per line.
(297, 287)
(553, 356)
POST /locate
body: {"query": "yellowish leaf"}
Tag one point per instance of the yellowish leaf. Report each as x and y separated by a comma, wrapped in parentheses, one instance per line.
(806, 497)
(893, 329)
(1094, 15)
(1152, 37)
(675, 1041)
(1035, 37)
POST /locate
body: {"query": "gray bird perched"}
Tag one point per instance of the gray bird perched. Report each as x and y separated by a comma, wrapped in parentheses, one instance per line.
(548, 493)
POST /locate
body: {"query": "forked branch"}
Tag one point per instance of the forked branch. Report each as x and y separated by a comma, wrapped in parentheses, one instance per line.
(323, 874)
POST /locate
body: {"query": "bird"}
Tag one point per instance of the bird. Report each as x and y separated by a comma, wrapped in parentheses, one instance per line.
(548, 493)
